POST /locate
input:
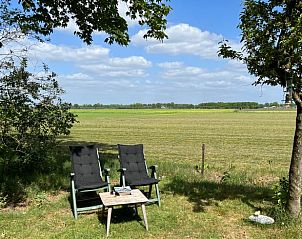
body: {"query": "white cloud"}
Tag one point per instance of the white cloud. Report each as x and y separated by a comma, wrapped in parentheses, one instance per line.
(185, 73)
(192, 77)
(183, 39)
(123, 8)
(77, 77)
(171, 64)
(178, 70)
(48, 51)
(102, 70)
(131, 61)
(92, 60)
(237, 65)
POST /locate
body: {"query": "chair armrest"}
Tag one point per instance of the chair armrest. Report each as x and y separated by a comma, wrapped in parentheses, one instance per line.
(107, 178)
(72, 184)
(122, 178)
(106, 171)
(153, 167)
(153, 172)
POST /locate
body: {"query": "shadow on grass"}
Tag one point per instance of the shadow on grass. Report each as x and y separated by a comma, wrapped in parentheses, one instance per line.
(51, 175)
(203, 193)
(121, 215)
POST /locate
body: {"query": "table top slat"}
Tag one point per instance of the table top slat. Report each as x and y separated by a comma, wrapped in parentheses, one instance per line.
(136, 196)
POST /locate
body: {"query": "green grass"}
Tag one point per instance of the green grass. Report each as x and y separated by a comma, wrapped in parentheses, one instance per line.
(249, 149)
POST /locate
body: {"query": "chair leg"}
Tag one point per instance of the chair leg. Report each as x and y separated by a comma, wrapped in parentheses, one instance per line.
(157, 194)
(74, 201)
(123, 181)
(108, 220)
(150, 191)
(109, 188)
(136, 212)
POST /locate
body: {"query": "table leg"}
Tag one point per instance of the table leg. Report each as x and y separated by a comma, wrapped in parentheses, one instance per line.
(103, 211)
(136, 212)
(145, 216)
(109, 219)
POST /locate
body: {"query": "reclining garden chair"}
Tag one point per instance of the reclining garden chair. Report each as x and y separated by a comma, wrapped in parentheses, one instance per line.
(86, 178)
(134, 172)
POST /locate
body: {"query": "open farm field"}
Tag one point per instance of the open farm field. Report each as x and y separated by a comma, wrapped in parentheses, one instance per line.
(257, 143)
(246, 154)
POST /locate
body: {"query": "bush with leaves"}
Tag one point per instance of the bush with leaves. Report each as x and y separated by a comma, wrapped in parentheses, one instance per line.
(281, 192)
(32, 116)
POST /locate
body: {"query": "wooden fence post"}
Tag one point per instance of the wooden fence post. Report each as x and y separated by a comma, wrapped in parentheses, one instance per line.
(203, 154)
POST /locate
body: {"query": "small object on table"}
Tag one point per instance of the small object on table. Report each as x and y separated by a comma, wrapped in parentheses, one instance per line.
(122, 190)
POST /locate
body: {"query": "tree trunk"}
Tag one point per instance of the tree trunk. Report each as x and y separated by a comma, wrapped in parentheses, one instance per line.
(294, 199)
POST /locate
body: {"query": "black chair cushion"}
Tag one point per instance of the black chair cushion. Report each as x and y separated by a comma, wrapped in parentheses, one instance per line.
(85, 166)
(141, 181)
(132, 158)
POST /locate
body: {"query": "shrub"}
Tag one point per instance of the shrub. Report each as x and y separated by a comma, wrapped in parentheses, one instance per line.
(281, 192)
(32, 116)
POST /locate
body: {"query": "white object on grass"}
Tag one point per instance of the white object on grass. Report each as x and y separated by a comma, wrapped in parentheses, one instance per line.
(262, 219)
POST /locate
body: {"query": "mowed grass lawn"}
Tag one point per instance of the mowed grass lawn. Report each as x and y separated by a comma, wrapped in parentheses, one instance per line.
(246, 153)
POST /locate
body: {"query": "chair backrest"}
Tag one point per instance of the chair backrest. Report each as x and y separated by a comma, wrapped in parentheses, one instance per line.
(132, 158)
(85, 165)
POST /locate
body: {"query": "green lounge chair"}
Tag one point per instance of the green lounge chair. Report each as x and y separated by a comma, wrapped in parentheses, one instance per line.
(134, 171)
(86, 179)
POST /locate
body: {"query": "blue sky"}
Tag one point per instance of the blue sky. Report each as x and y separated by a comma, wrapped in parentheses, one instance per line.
(183, 69)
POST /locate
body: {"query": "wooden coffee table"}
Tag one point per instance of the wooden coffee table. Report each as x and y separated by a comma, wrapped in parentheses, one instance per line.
(136, 197)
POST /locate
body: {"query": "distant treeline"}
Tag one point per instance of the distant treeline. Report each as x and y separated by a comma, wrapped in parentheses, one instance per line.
(172, 105)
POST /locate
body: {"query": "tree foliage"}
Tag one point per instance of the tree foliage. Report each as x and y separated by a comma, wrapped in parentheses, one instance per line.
(172, 105)
(32, 115)
(41, 17)
(272, 42)
(272, 51)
